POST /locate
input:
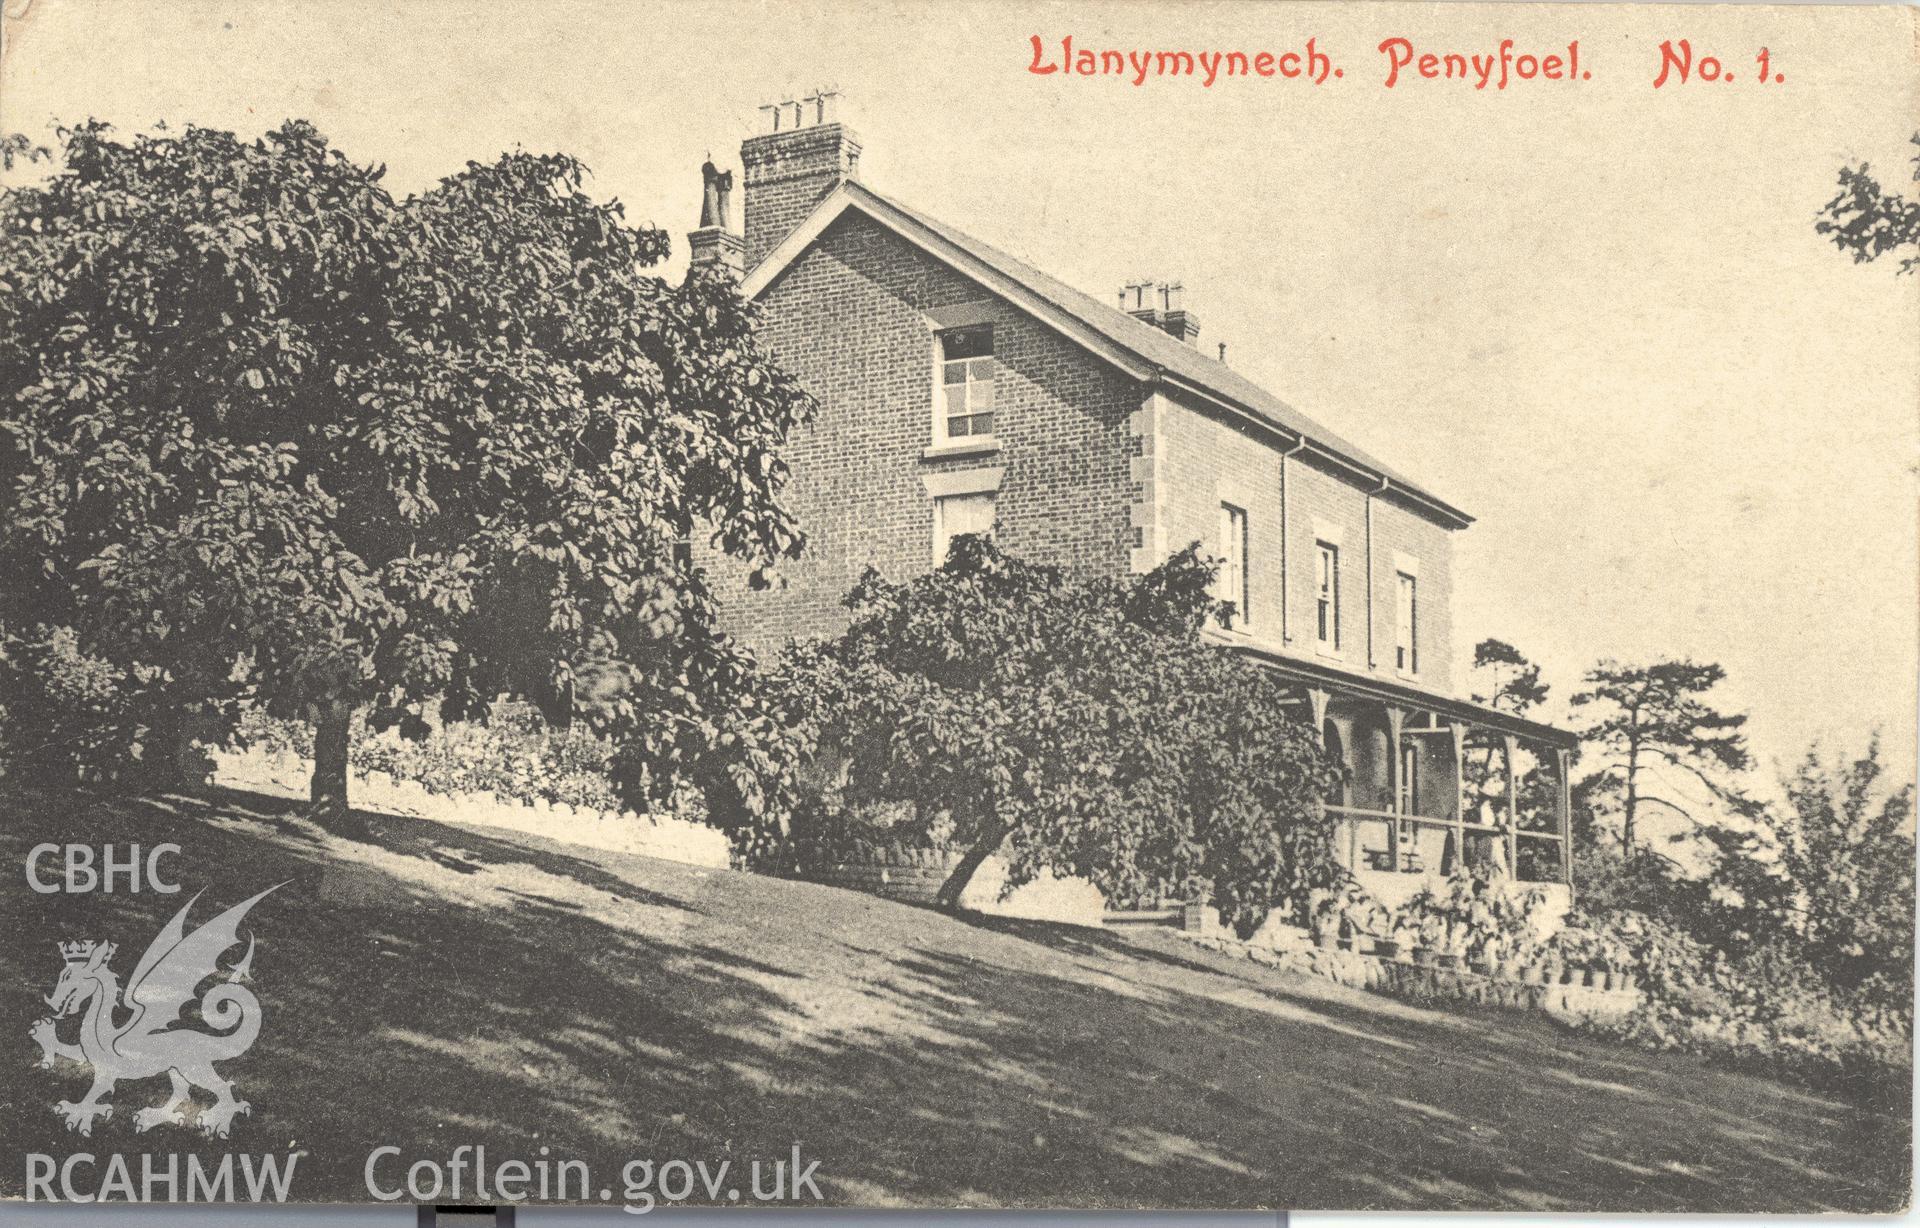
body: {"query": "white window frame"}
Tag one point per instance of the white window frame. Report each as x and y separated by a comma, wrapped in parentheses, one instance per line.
(1232, 583)
(956, 484)
(1406, 622)
(1326, 596)
(942, 420)
(942, 539)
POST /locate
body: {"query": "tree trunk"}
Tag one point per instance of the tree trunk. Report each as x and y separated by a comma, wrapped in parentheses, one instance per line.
(332, 736)
(1632, 804)
(964, 870)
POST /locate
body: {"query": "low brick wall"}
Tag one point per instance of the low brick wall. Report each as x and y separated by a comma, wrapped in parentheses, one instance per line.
(1572, 1002)
(911, 884)
(914, 876)
(664, 836)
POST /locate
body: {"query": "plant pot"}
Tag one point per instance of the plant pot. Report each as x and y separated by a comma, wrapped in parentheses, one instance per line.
(1423, 957)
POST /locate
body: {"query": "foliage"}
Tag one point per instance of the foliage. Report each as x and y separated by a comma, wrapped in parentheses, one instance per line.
(1656, 716)
(512, 752)
(1478, 913)
(1346, 910)
(1867, 221)
(381, 451)
(1081, 727)
(1506, 681)
(69, 716)
(1759, 1012)
(1828, 880)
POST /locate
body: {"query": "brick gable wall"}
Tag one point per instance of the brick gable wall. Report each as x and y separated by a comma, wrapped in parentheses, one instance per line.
(854, 318)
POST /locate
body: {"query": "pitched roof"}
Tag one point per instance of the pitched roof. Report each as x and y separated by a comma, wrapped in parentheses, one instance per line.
(1144, 350)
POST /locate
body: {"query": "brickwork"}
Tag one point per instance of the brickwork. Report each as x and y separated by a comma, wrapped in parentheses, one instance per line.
(855, 318)
(1206, 459)
(786, 175)
(1096, 471)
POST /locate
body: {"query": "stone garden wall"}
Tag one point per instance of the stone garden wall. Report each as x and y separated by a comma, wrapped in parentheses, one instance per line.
(1570, 995)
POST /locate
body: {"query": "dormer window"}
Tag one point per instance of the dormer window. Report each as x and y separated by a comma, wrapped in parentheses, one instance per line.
(966, 383)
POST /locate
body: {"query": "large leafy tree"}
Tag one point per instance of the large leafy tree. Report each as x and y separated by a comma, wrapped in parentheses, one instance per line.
(1828, 877)
(1083, 728)
(1655, 719)
(272, 428)
(1867, 221)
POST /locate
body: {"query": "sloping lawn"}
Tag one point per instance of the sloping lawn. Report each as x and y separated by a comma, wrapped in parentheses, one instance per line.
(437, 986)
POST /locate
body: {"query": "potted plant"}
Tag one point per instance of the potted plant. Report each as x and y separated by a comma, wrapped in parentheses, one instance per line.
(1338, 916)
(1323, 920)
(1362, 914)
(1398, 939)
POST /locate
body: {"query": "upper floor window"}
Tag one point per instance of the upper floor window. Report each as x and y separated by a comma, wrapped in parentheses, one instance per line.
(1406, 625)
(957, 514)
(966, 382)
(1230, 584)
(1326, 630)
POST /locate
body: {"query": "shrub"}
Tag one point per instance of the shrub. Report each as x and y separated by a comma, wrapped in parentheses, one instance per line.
(512, 753)
(1764, 1011)
(70, 716)
(1478, 914)
(1082, 728)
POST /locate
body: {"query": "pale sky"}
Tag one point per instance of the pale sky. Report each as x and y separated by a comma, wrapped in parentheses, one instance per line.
(1593, 314)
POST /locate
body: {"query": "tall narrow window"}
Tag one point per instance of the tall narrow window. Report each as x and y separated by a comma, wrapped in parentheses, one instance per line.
(1230, 584)
(1410, 779)
(957, 514)
(1406, 630)
(966, 383)
(1327, 602)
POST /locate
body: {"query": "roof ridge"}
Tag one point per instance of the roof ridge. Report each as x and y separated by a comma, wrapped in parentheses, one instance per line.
(1165, 354)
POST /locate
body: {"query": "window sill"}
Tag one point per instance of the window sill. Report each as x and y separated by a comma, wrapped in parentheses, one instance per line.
(1331, 654)
(983, 445)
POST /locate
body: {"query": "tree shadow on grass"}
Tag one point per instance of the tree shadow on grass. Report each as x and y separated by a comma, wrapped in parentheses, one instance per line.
(615, 1008)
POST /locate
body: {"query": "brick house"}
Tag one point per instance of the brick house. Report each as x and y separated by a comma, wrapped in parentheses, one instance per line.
(962, 390)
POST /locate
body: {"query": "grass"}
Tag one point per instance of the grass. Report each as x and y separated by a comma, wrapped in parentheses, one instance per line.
(438, 985)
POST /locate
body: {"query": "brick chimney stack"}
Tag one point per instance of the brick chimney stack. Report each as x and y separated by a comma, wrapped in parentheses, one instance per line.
(1163, 305)
(715, 245)
(805, 154)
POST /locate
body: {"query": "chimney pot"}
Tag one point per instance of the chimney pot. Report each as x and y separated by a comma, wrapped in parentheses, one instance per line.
(786, 171)
(1161, 304)
(715, 245)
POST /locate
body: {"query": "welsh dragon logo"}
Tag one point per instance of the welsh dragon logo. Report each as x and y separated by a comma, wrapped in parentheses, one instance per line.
(146, 1041)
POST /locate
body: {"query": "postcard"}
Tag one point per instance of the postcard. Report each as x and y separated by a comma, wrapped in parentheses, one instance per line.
(1072, 605)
